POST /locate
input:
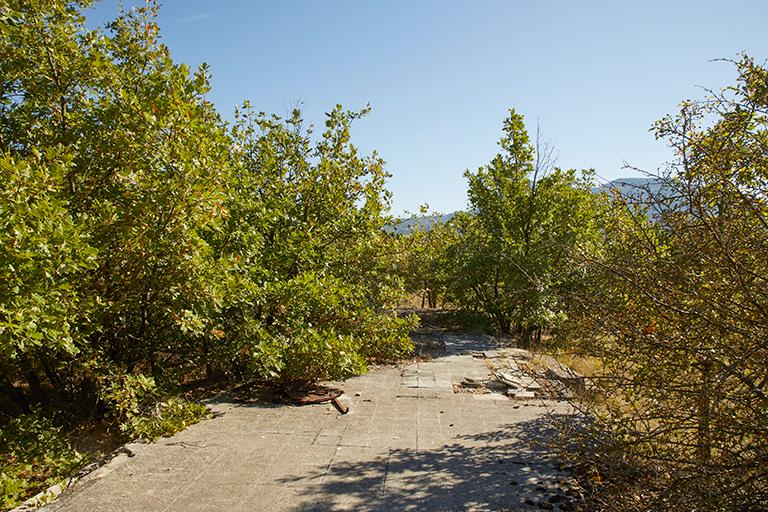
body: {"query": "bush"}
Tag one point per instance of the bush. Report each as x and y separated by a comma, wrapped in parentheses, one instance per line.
(140, 235)
(513, 257)
(44, 255)
(142, 412)
(34, 454)
(676, 309)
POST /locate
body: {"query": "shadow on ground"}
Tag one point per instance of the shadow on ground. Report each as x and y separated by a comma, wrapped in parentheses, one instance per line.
(506, 469)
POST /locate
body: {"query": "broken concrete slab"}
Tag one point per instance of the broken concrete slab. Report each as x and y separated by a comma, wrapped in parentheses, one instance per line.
(516, 353)
(489, 396)
(496, 385)
(521, 395)
(473, 383)
(533, 385)
(511, 378)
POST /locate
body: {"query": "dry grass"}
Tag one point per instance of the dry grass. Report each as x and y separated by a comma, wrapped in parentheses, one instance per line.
(586, 366)
(412, 300)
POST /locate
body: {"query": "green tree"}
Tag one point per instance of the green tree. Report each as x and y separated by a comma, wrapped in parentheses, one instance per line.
(512, 261)
(256, 248)
(140, 235)
(425, 267)
(42, 254)
(303, 241)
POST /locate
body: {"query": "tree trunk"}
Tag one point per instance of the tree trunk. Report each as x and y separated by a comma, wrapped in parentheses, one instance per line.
(39, 395)
(525, 337)
(15, 394)
(704, 435)
(210, 373)
(504, 325)
(53, 379)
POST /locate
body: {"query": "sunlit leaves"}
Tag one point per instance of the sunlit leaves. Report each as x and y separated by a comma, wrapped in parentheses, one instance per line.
(42, 251)
(513, 258)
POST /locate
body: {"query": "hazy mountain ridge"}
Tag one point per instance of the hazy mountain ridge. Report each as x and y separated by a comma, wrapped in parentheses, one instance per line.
(426, 222)
(637, 188)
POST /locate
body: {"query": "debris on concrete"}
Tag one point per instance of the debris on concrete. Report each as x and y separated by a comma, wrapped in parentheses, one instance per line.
(314, 396)
(381, 456)
(517, 353)
(521, 395)
(474, 383)
(489, 396)
(513, 379)
(513, 374)
(342, 408)
(496, 385)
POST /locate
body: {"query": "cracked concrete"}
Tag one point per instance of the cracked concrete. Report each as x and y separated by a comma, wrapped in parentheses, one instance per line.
(408, 443)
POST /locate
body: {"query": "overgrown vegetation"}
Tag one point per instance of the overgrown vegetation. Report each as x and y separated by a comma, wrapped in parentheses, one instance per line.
(675, 310)
(663, 292)
(34, 454)
(142, 411)
(425, 265)
(142, 236)
(513, 257)
(510, 258)
(144, 242)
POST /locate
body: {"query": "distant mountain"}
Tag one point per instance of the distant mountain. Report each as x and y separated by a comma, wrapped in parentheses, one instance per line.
(639, 189)
(405, 226)
(658, 196)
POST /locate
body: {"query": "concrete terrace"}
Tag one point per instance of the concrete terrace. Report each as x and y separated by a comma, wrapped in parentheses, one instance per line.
(409, 442)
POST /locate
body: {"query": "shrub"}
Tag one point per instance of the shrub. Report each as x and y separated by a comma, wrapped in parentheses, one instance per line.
(34, 454)
(143, 412)
(676, 310)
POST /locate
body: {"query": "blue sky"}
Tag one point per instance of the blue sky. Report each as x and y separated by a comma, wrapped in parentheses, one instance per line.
(440, 75)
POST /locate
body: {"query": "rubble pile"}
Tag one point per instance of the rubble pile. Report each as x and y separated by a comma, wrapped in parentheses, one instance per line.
(514, 373)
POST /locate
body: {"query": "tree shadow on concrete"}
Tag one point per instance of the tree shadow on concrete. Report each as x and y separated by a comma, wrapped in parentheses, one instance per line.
(511, 468)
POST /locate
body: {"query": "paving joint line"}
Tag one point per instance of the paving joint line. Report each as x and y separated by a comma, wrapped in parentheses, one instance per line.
(192, 482)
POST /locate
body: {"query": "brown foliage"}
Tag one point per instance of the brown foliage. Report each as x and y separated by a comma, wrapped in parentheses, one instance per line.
(678, 309)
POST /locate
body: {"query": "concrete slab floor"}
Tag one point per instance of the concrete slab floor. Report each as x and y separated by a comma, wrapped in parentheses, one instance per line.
(408, 443)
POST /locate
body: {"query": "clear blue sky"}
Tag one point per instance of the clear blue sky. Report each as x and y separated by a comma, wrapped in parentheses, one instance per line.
(440, 75)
